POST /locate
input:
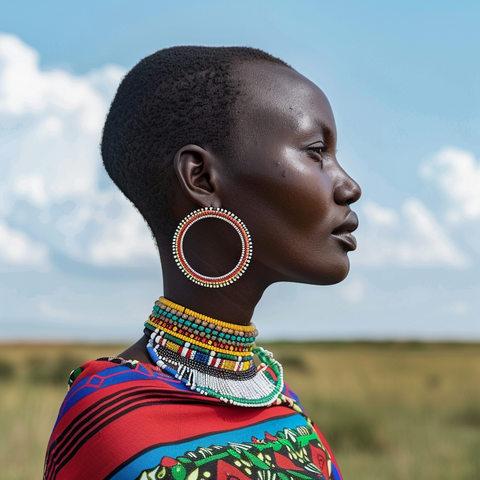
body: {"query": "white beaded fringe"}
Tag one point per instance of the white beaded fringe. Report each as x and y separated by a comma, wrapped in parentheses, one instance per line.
(254, 389)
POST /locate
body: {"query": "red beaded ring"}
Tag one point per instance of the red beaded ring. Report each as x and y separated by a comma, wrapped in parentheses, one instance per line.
(236, 223)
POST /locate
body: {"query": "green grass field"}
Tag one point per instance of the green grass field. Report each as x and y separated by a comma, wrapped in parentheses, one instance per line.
(390, 411)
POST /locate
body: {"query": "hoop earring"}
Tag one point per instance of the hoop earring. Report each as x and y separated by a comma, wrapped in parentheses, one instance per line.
(236, 223)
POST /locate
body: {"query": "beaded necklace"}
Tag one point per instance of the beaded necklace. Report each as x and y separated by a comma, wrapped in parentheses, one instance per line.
(211, 357)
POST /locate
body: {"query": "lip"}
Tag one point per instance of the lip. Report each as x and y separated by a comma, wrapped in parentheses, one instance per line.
(344, 231)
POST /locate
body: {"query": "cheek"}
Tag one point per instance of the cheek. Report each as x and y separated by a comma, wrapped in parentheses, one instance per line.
(289, 211)
(302, 201)
(290, 217)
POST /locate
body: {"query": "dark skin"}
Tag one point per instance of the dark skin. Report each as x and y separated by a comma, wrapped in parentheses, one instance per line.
(283, 180)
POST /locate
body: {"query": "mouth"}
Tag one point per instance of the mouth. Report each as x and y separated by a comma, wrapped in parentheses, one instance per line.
(344, 231)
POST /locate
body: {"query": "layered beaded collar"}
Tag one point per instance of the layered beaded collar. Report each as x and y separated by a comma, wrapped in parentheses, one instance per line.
(212, 357)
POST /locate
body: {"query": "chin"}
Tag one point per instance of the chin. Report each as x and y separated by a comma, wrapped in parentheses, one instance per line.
(336, 274)
(318, 273)
(339, 279)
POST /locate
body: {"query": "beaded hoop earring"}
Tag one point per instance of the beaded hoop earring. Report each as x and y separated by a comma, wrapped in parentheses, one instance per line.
(236, 223)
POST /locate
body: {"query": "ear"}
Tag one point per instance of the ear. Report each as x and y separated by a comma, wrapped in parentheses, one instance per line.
(196, 172)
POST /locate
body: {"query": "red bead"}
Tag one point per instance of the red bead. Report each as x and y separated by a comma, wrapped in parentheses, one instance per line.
(168, 462)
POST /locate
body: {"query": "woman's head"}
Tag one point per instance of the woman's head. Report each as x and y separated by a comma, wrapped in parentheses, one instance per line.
(238, 129)
(174, 97)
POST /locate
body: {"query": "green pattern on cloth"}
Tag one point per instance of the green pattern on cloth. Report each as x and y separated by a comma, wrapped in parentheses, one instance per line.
(291, 454)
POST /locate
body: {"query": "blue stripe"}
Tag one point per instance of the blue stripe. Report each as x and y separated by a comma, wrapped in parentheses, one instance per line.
(113, 376)
(152, 458)
(335, 473)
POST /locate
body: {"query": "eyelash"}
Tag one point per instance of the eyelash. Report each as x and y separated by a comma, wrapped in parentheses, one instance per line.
(319, 151)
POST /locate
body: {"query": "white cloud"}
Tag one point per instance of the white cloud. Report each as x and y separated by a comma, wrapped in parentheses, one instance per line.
(17, 249)
(460, 308)
(457, 174)
(55, 313)
(109, 250)
(379, 216)
(51, 172)
(411, 237)
(353, 291)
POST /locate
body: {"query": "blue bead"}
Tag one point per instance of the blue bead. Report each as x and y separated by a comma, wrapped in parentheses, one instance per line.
(202, 357)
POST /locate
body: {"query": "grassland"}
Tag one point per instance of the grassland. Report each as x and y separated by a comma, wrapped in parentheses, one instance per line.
(390, 411)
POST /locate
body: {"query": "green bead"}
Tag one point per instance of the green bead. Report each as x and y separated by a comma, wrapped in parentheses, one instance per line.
(179, 472)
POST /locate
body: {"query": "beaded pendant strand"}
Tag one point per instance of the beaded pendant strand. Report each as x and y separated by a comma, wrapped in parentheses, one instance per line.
(211, 357)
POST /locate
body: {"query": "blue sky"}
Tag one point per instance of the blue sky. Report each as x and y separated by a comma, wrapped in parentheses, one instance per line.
(402, 78)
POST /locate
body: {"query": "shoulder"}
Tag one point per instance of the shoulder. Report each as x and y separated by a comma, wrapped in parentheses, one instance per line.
(110, 401)
(116, 383)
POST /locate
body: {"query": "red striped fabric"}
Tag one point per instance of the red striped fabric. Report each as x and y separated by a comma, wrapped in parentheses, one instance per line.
(122, 420)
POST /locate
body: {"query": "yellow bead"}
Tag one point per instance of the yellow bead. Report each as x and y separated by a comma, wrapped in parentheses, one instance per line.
(241, 328)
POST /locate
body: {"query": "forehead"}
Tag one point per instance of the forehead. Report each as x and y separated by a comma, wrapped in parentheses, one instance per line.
(279, 97)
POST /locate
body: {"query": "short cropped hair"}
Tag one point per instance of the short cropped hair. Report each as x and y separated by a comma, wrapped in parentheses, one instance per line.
(174, 97)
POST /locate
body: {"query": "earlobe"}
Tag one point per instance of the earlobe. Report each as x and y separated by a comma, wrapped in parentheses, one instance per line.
(196, 173)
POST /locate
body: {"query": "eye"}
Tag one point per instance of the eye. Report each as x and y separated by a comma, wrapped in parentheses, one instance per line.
(318, 152)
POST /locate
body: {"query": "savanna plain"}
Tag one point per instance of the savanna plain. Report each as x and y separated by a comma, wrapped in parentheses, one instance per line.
(393, 411)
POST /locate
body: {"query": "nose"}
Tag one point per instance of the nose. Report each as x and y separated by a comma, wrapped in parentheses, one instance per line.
(348, 191)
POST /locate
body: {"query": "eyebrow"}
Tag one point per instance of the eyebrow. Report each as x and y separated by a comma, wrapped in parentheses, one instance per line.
(327, 132)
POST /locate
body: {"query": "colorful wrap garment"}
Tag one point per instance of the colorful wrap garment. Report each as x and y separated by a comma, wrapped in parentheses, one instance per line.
(125, 420)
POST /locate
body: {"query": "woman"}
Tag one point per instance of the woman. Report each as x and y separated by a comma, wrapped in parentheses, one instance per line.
(194, 134)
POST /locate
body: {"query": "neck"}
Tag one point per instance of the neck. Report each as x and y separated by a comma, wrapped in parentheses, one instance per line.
(233, 303)
(216, 305)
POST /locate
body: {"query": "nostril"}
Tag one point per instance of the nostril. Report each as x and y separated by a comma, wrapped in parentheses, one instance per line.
(347, 193)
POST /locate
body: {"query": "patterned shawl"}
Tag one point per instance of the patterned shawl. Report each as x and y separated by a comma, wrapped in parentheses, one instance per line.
(128, 420)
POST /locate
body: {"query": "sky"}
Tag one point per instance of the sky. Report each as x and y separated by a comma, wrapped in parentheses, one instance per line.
(77, 262)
